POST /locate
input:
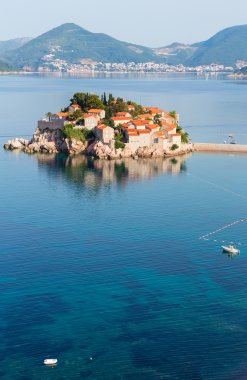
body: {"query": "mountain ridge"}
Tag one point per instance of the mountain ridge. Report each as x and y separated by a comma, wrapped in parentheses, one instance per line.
(73, 44)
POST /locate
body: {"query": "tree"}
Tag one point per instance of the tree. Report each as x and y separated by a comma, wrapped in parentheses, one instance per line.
(75, 115)
(49, 115)
(87, 101)
(184, 137)
(109, 122)
(174, 147)
(157, 120)
(119, 144)
(104, 100)
(173, 114)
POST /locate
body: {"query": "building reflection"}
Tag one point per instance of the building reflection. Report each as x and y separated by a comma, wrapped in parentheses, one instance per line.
(94, 174)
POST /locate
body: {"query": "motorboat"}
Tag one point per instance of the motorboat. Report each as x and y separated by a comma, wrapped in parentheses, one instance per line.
(50, 361)
(231, 249)
(232, 140)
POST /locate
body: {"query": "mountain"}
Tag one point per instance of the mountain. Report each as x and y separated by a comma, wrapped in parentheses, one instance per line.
(72, 43)
(226, 47)
(5, 66)
(176, 53)
(9, 45)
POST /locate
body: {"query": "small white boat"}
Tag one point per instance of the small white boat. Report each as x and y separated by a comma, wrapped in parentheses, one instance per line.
(50, 361)
(231, 249)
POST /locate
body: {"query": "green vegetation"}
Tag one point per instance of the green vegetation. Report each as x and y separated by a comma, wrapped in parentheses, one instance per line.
(184, 135)
(174, 147)
(69, 132)
(119, 144)
(6, 67)
(87, 101)
(226, 47)
(49, 115)
(75, 44)
(75, 115)
(157, 120)
(173, 114)
(9, 45)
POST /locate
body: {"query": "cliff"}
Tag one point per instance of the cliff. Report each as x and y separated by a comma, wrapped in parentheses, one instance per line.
(52, 141)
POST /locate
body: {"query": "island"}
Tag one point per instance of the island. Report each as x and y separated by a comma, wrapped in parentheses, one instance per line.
(109, 128)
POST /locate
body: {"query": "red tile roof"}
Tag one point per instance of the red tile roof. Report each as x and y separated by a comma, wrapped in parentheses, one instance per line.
(102, 126)
(127, 125)
(87, 115)
(95, 110)
(134, 134)
(160, 133)
(145, 116)
(75, 106)
(131, 130)
(139, 123)
(121, 118)
(153, 126)
(171, 128)
(62, 114)
(144, 131)
(123, 114)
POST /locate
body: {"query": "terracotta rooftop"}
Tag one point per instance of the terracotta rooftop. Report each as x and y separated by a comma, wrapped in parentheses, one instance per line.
(87, 115)
(75, 106)
(62, 114)
(171, 128)
(153, 126)
(102, 126)
(95, 110)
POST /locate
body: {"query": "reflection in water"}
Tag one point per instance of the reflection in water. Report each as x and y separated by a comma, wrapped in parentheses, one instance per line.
(93, 174)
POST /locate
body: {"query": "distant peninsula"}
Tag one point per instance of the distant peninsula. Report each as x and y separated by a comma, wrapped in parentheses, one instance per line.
(107, 127)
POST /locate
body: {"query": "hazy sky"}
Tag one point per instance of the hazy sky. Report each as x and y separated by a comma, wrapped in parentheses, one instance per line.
(152, 23)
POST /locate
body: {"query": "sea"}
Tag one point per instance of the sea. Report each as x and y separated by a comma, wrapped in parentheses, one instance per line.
(102, 263)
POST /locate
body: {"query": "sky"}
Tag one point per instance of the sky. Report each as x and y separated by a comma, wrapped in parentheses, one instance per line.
(152, 23)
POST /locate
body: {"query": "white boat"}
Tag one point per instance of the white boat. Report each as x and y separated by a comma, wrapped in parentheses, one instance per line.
(231, 249)
(50, 361)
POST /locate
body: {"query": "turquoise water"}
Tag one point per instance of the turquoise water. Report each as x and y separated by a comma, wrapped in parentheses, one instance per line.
(103, 259)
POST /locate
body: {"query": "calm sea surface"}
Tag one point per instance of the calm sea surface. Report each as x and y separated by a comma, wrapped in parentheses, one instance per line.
(102, 259)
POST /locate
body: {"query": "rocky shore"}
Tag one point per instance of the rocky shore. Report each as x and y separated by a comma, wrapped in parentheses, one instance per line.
(49, 141)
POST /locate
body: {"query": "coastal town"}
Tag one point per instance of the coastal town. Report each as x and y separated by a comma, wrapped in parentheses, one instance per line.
(107, 127)
(52, 64)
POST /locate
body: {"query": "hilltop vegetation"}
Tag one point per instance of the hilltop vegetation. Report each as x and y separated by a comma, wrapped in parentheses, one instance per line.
(5, 66)
(226, 47)
(72, 43)
(13, 44)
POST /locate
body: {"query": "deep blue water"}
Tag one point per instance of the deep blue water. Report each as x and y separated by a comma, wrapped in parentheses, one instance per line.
(103, 259)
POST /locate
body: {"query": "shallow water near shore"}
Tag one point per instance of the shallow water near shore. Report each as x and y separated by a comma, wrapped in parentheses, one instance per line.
(102, 259)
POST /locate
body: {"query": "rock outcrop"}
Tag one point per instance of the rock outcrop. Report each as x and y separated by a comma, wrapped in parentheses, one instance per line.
(100, 150)
(52, 141)
(47, 141)
(17, 143)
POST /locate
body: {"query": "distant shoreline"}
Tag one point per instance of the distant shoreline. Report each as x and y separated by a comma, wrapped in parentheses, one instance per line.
(204, 73)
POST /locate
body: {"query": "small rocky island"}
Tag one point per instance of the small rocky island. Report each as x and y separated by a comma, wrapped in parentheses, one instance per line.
(107, 127)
